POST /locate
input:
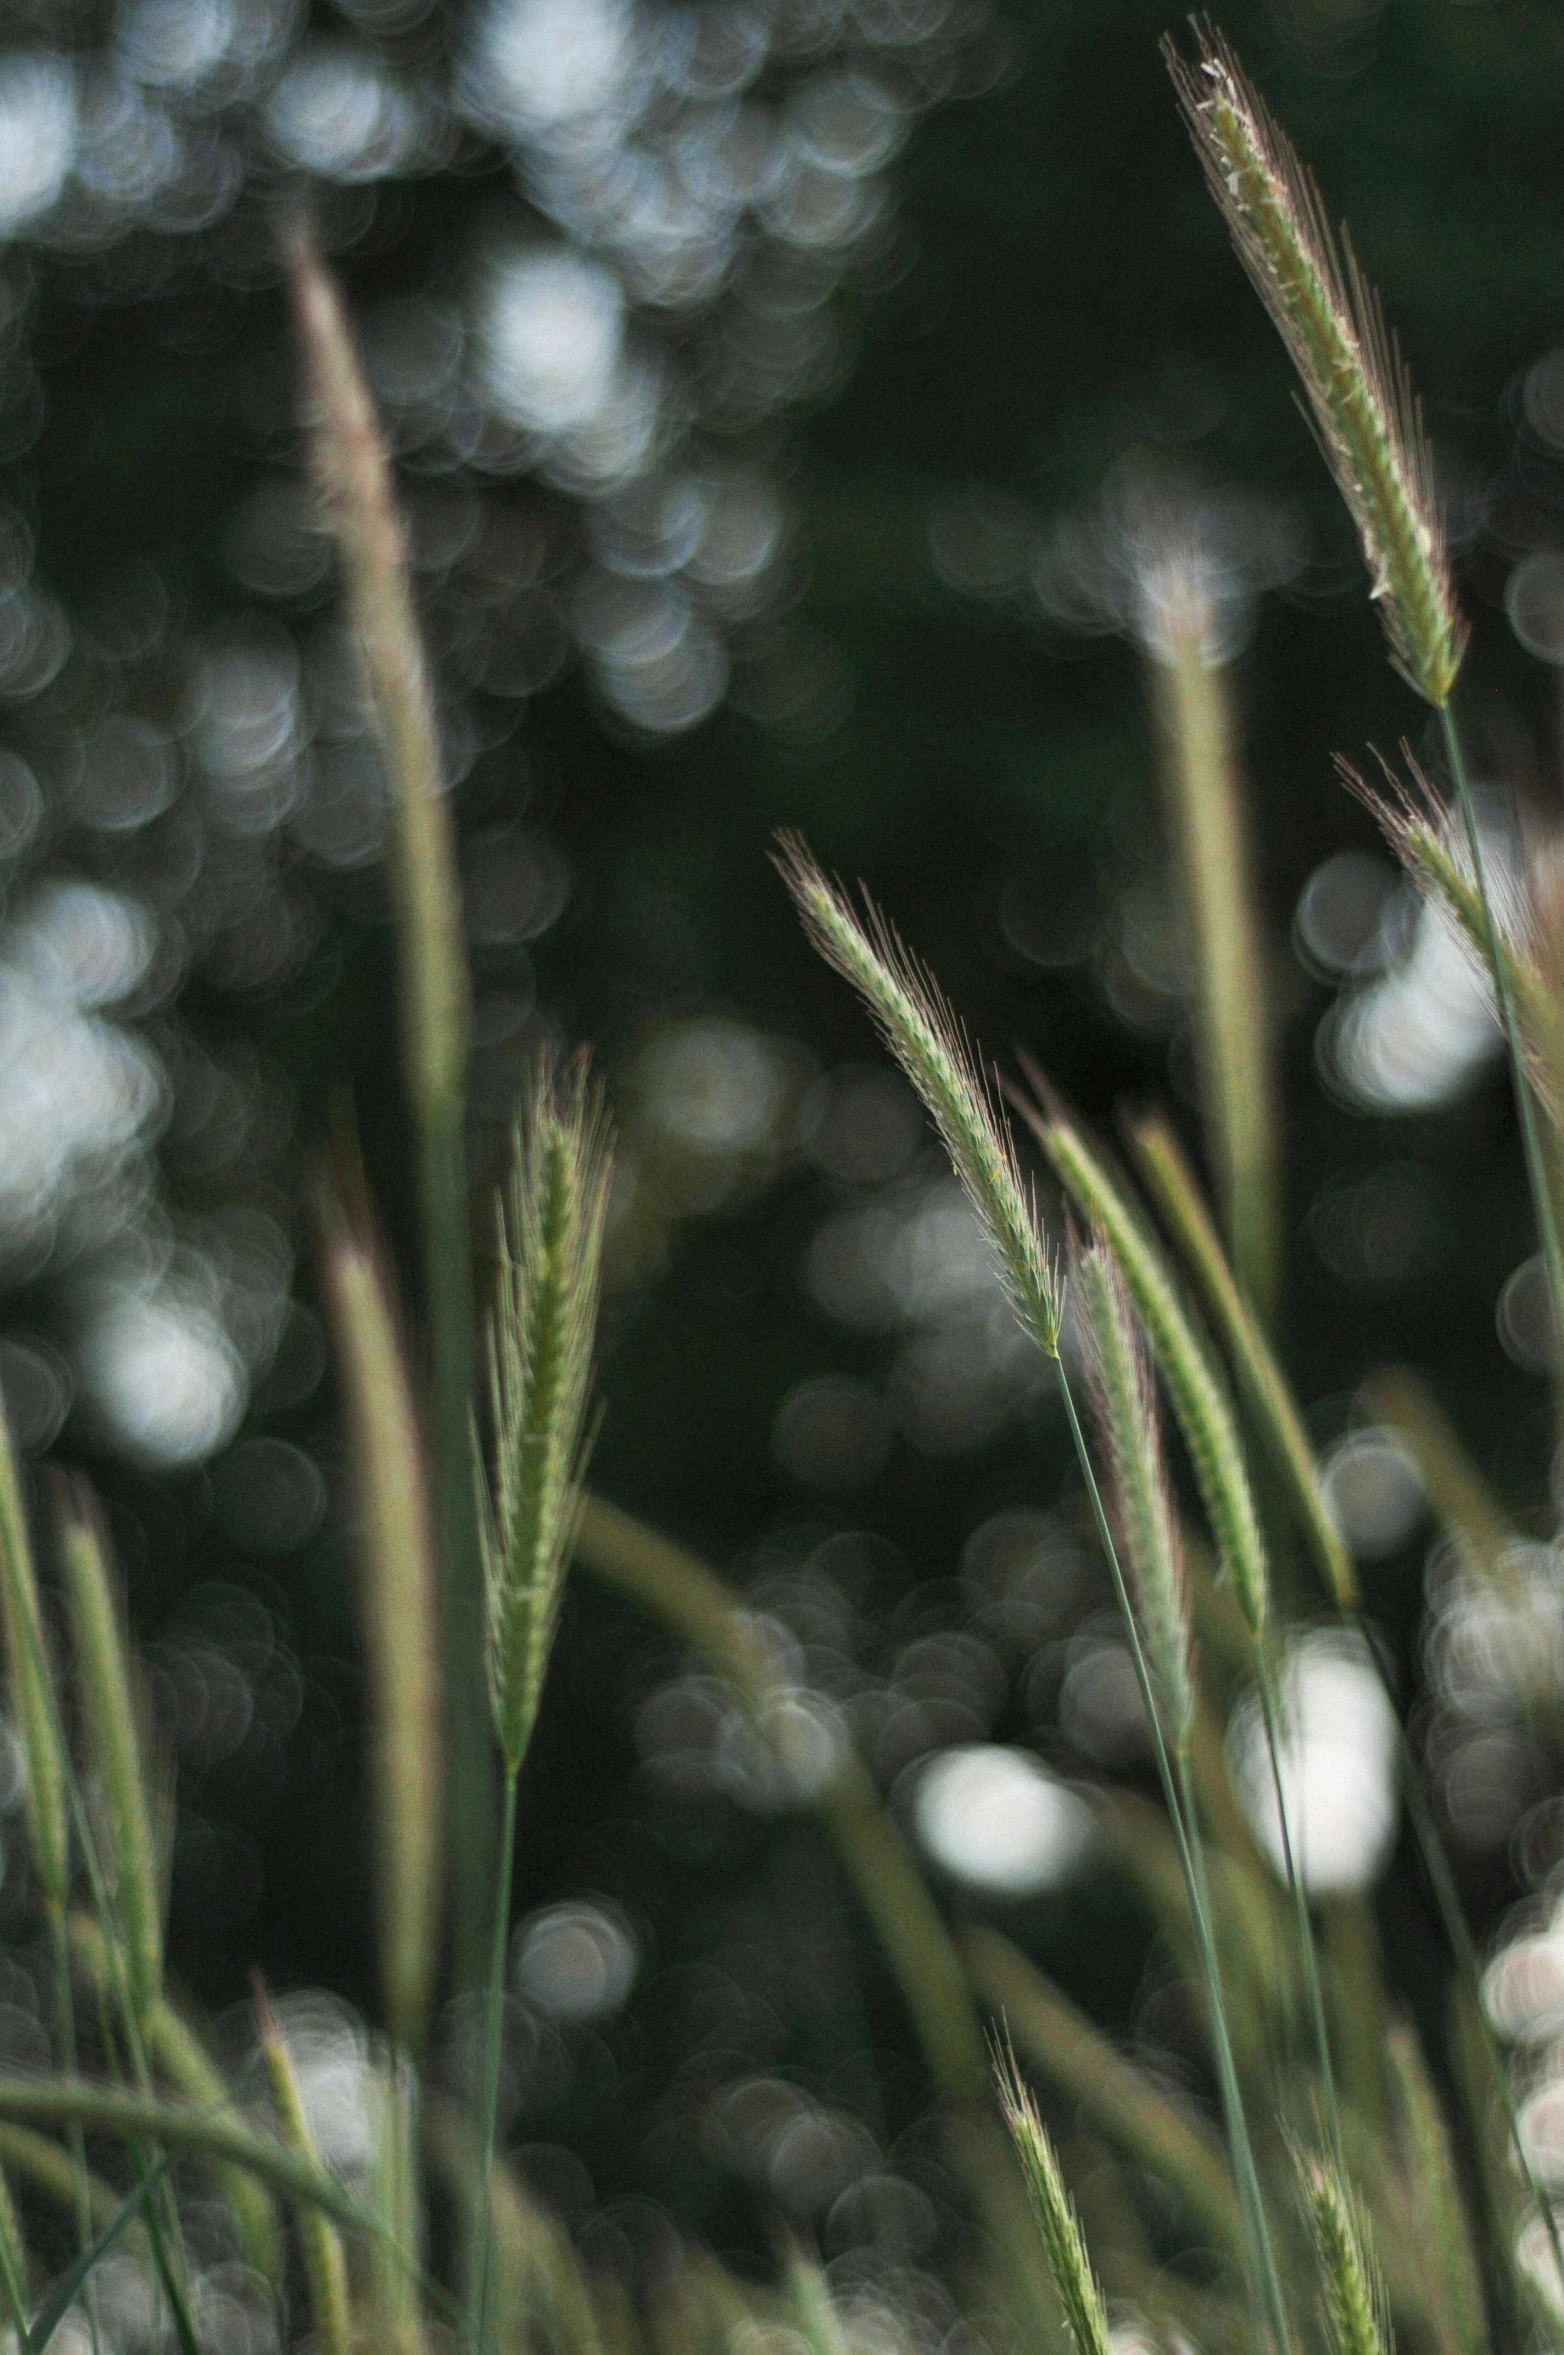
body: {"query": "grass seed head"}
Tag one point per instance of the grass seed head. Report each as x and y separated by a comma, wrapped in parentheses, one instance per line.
(540, 1340)
(1350, 2288)
(1086, 2317)
(929, 1044)
(1353, 377)
(1128, 1424)
(1200, 1401)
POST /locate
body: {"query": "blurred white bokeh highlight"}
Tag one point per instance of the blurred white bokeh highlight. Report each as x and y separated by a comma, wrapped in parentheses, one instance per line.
(1337, 1755)
(997, 1819)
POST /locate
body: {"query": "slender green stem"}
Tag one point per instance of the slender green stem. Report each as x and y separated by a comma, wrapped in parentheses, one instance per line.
(65, 2028)
(493, 2028)
(1178, 1790)
(1227, 2068)
(1504, 990)
(1452, 1918)
(1308, 1960)
(452, 1325)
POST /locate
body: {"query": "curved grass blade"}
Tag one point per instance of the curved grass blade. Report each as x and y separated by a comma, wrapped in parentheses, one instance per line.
(1172, 1187)
(63, 2296)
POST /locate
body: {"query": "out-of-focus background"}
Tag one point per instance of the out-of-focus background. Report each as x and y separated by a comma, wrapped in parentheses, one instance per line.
(775, 386)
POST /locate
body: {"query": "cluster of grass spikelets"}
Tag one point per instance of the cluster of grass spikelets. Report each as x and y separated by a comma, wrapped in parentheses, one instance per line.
(1320, 2192)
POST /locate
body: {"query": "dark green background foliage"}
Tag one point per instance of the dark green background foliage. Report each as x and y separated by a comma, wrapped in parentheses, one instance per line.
(1059, 297)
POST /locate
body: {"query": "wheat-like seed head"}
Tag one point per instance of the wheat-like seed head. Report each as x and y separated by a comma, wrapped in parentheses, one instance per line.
(1129, 1426)
(1059, 2227)
(1436, 853)
(928, 1042)
(1351, 2291)
(1200, 1400)
(1356, 383)
(540, 1340)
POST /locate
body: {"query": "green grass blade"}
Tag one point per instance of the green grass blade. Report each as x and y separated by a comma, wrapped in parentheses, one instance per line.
(1200, 1402)
(1261, 1381)
(63, 2296)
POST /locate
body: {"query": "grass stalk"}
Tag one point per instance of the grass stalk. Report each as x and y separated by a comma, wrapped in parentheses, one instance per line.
(398, 1614)
(324, 2267)
(541, 1336)
(1173, 1769)
(1261, 1382)
(1207, 818)
(32, 1690)
(126, 2116)
(1436, 2194)
(355, 477)
(1308, 1960)
(111, 1713)
(178, 2053)
(494, 2023)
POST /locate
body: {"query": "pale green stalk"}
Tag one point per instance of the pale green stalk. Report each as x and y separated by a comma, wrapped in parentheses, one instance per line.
(1173, 1769)
(397, 2323)
(130, 2117)
(182, 2058)
(324, 2267)
(1260, 1378)
(1352, 2295)
(1117, 2099)
(1330, 320)
(1270, 1711)
(1205, 1415)
(1059, 2228)
(355, 476)
(32, 1692)
(1446, 2232)
(1452, 1918)
(1208, 822)
(13, 2264)
(1130, 1433)
(819, 2324)
(541, 1335)
(927, 1041)
(43, 1752)
(110, 1714)
(48, 2169)
(398, 1611)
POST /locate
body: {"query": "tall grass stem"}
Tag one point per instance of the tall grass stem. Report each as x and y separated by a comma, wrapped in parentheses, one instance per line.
(355, 476)
(1193, 701)
(494, 2026)
(397, 1599)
